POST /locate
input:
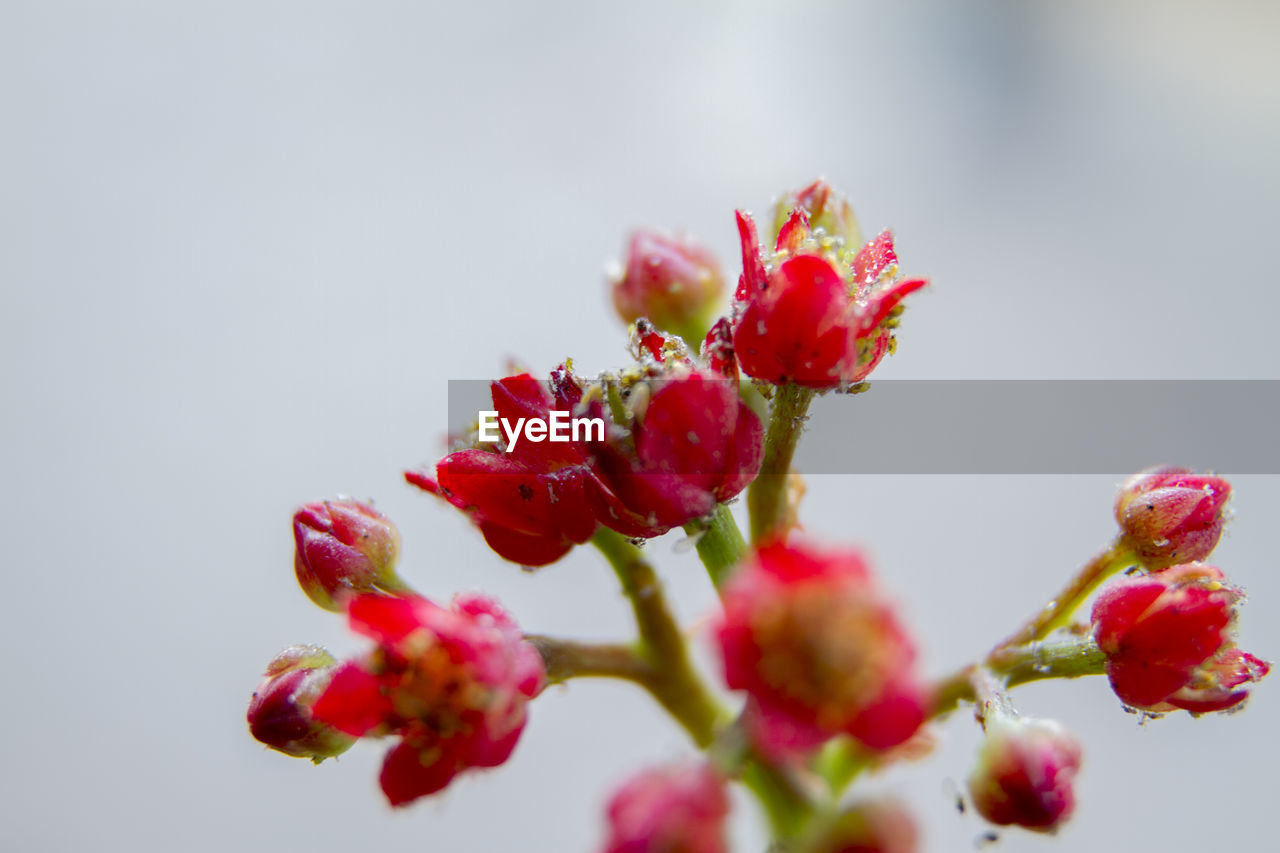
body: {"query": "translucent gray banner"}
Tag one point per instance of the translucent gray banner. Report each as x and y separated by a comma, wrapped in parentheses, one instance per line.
(1021, 427)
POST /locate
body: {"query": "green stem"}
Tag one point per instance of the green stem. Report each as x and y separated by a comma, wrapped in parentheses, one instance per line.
(782, 796)
(565, 659)
(1072, 658)
(674, 682)
(1062, 606)
(766, 499)
(719, 542)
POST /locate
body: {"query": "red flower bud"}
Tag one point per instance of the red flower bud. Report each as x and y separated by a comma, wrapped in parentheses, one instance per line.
(879, 826)
(824, 316)
(1170, 515)
(678, 809)
(343, 548)
(1168, 640)
(280, 710)
(690, 443)
(806, 634)
(1024, 773)
(824, 208)
(452, 684)
(675, 283)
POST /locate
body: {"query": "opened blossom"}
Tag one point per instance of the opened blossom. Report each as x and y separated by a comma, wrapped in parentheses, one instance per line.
(451, 684)
(528, 500)
(683, 441)
(676, 809)
(814, 312)
(1169, 641)
(806, 634)
(1170, 515)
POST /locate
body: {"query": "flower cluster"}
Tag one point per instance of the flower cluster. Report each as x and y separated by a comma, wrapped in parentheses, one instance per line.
(823, 668)
(452, 684)
(533, 502)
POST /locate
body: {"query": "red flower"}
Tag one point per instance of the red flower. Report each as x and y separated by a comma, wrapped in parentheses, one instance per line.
(1168, 641)
(344, 548)
(1024, 774)
(528, 502)
(675, 283)
(679, 809)
(808, 637)
(688, 443)
(280, 710)
(1171, 515)
(452, 684)
(823, 316)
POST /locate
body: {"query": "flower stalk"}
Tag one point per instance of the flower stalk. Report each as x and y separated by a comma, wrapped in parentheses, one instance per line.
(673, 682)
(719, 544)
(766, 498)
(1059, 610)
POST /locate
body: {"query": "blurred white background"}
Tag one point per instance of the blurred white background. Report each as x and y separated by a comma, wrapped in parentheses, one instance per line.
(243, 246)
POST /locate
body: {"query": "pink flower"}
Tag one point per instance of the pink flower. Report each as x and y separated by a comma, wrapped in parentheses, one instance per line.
(674, 283)
(1169, 641)
(1024, 773)
(677, 809)
(451, 684)
(821, 316)
(344, 548)
(1171, 515)
(806, 634)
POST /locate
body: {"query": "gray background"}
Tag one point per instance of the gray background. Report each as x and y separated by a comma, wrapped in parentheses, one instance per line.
(243, 246)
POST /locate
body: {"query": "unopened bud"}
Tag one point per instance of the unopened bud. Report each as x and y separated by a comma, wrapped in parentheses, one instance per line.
(879, 826)
(1171, 515)
(675, 283)
(825, 208)
(1024, 773)
(677, 809)
(280, 710)
(344, 548)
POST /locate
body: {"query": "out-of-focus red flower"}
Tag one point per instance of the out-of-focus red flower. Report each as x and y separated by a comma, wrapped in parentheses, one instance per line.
(451, 684)
(528, 501)
(1168, 641)
(688, 443)
(806, 634)
(676, 809)
(818, 315)
(280, 710)
(824, 207)
(876, 826)
(1171, 515)
(675, 283)
(1024, 773)
(344, 548)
